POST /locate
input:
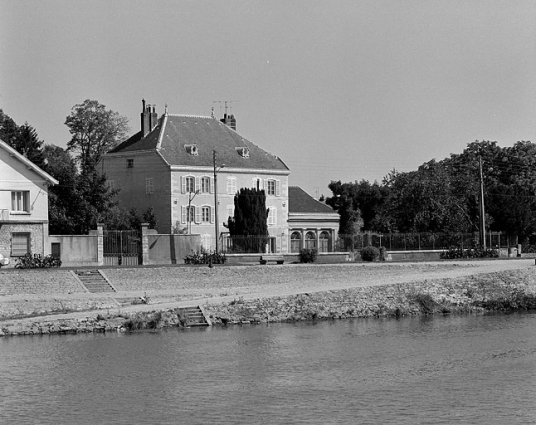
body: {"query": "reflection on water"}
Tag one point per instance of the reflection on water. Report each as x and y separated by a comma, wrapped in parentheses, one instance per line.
(467, 369)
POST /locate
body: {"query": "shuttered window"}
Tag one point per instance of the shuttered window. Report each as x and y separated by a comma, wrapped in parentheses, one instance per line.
(149, 186)
(20, 244)
(231, 185)
(272, 216)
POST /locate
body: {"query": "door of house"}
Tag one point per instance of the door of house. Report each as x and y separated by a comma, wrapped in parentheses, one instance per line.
(122, 247)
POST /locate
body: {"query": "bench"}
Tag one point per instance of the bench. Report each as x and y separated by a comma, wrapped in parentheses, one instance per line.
(279, 259)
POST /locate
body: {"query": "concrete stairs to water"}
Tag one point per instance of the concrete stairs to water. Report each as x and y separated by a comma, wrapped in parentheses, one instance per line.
(194, 316)
(94, 281)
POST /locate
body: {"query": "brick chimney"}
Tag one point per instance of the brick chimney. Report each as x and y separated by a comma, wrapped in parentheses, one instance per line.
(229, 121)
(149, 118)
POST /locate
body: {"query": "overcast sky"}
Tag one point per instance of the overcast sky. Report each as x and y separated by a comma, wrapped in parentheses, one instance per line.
(340, 90)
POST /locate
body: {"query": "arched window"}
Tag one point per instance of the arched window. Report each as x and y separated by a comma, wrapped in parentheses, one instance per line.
(324, 242)
(310, 240)
(205, 185)
(295, 242)
(188, 184)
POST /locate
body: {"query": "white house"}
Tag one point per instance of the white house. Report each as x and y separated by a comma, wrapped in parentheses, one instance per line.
(23, 205)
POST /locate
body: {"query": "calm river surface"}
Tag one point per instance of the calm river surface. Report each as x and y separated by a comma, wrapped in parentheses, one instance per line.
(441, 370)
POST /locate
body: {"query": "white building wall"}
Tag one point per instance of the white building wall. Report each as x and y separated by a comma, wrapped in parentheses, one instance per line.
(226, 192)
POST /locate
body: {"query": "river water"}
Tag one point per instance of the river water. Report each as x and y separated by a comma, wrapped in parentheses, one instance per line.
(441, 370)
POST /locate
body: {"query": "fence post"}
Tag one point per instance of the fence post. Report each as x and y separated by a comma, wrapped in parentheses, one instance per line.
(100, 244)
(144, 243)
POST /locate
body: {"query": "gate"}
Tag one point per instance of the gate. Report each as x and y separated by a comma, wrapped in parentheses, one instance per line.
(122, 247)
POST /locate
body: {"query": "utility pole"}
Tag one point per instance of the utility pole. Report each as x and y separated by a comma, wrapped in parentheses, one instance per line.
(482, 210)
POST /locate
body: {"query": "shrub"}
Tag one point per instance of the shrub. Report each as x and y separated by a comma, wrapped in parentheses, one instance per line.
(383, 253)
(370, 253)
(456, 253)
(204, 257)
(307, 255)
(37, 261)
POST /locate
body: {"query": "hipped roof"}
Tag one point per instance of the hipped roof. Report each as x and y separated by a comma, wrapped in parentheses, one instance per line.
(300, 201)
(173, 132)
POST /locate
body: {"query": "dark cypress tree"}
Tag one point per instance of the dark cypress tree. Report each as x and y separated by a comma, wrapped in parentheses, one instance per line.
(248, 227)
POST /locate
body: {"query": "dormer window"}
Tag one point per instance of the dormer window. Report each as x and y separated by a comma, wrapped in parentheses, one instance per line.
(243, 152)
(192, 149)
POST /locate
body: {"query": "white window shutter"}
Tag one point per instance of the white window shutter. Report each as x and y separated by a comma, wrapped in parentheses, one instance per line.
(228, 185)
(278, 188)
(197, 184)
(183, 184)
(211, 180)
(212, 215)
(274, 216)
(197, 214)
(183, 213)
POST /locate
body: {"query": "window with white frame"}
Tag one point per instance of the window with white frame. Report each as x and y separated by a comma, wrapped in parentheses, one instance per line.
(187, 213)
(188, 184)
(110, 184)
(230, 211)
(205, 214)
(190, 214)
(272, 216)
(231, 185)
(257, 183)
(130, 163)
(206, 186)
(149, 186)
(20, 201)
(273, 187)
(270, 187)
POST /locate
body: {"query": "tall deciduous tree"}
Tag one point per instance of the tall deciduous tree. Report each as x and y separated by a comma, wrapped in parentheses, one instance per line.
(249, 227)
(94, 130)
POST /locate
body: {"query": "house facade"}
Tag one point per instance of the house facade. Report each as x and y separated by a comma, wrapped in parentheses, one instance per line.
(312, 224)
(189, 168)
(23, 205)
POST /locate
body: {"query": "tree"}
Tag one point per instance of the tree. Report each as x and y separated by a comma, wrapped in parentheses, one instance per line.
(94, 130)
(29, 145)
(63, 199)
(81, 199)
(9, 130)
(23, 139)
(248, 227)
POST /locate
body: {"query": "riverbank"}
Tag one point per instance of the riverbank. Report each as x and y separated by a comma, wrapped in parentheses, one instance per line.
(259, 294)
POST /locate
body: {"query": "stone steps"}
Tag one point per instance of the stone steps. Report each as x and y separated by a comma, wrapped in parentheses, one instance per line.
(193, 316)
(94, 281)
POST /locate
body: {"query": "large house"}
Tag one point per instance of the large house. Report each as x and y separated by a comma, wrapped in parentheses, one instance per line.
(188, 169)
(23, 205)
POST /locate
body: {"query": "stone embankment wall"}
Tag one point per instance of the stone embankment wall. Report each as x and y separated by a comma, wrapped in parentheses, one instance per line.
(499, 291)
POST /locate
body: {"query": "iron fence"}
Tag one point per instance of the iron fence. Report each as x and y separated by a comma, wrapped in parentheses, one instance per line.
(422, 241)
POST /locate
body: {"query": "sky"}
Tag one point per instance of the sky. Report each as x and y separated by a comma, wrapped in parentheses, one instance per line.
(339, 90)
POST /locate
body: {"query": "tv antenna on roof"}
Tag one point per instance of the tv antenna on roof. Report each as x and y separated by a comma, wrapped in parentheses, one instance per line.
(227, 105)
